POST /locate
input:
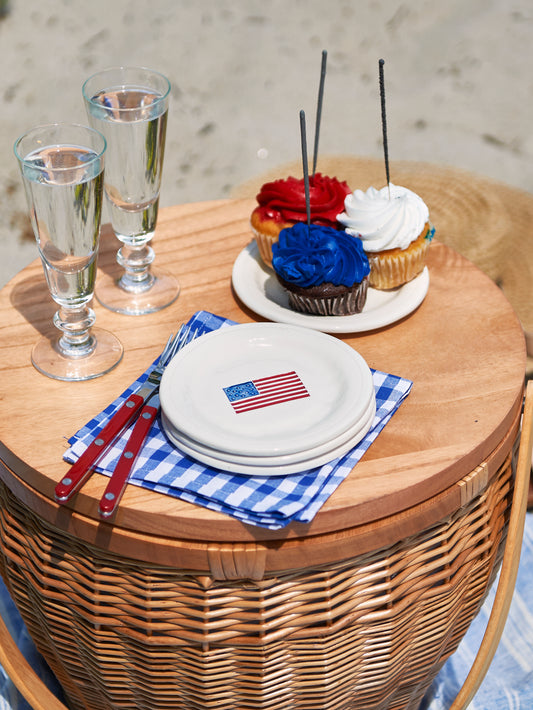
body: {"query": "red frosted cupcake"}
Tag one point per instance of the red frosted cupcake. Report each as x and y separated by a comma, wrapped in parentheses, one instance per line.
(281, 204)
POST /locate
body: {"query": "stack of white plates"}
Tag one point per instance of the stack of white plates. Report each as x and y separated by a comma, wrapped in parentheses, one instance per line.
(267, 399)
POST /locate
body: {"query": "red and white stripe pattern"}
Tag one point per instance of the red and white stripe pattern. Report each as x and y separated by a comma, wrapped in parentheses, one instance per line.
(269, 391)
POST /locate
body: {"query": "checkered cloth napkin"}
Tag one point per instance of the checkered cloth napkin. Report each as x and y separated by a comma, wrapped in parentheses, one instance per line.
(270, 502)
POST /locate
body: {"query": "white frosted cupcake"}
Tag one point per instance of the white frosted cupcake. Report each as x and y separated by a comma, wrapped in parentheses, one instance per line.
(395, 231)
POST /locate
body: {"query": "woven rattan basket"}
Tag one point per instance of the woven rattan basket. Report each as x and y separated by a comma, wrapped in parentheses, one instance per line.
(368, 632)
(367, 626)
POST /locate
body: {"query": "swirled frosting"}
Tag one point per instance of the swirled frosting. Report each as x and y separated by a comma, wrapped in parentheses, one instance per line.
(384, 222)
(284, 200)
(312, 255)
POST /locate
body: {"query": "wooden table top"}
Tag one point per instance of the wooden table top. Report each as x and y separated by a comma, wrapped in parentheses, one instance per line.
(463, 348)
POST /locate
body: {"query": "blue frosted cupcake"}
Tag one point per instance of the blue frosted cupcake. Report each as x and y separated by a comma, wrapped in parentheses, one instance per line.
(324, 271)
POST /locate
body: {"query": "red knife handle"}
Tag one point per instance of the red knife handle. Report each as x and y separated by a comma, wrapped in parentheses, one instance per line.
(83, 468)
(117, 482)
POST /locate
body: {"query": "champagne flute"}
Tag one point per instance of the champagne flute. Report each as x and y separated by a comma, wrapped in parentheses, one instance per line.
(62, 168)
(129, 105)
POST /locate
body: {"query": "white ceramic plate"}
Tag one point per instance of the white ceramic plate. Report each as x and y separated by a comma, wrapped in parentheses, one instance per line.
(335, 380)
(279, 470)
(354, 434)
(258, 288)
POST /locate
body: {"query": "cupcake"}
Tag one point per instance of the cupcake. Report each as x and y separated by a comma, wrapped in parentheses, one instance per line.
(395, 231)
(324, 271)
(281, 204)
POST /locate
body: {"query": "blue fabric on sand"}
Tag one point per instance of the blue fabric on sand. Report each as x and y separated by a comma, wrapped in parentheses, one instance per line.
(271, 502)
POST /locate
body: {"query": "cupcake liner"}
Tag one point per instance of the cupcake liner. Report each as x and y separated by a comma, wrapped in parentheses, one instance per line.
(264, 245)
(391, 270)
(345, 304)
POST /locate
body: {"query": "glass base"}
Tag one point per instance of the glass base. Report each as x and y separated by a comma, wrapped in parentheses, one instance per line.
(164, 291)
(47, 358)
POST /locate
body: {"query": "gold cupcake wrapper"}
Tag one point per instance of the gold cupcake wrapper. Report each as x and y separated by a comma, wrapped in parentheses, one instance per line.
(389, 271)
(264, 244)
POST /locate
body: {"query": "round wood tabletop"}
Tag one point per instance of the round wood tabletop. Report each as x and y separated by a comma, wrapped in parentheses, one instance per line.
(463, 348)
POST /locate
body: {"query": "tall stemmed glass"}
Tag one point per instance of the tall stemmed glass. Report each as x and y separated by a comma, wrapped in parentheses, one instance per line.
(62, 167)
(129, 105)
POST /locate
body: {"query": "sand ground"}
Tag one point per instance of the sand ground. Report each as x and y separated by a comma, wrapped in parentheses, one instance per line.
(458, 80)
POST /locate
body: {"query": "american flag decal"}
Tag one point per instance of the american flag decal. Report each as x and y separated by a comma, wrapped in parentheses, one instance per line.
(265, 392)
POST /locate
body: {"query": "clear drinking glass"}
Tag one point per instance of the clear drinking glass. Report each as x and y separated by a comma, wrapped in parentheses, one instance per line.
(62, 167)
(129, 105)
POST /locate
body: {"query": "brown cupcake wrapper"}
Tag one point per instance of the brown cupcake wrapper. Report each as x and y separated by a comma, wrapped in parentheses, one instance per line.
(347, 304)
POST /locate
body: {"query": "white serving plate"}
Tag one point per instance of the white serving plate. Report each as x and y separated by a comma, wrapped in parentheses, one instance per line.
(354, 434)
(336, 378)
(305, 464)
(258, 288)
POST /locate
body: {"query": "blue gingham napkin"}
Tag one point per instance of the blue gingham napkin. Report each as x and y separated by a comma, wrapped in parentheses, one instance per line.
(270, 502)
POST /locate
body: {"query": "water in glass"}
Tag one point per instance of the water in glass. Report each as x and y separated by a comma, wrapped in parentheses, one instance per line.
(133, 121)
(64, 186)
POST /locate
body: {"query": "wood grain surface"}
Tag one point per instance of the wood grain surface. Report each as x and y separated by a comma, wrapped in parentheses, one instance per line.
(463, 348)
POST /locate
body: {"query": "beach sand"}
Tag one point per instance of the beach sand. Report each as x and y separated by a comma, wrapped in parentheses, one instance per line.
(458, 82)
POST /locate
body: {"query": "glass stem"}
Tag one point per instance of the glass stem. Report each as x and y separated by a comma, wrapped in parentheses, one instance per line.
(136, 261)
(75, 325)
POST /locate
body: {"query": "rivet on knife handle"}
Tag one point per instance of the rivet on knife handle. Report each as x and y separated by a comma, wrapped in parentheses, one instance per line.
(83, 468)
(117, 482)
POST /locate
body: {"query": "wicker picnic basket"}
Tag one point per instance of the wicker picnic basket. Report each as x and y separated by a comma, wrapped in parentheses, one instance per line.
(369, 630)
(354, 618)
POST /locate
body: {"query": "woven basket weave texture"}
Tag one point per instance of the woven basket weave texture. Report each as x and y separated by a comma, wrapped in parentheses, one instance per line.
(370, 632)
